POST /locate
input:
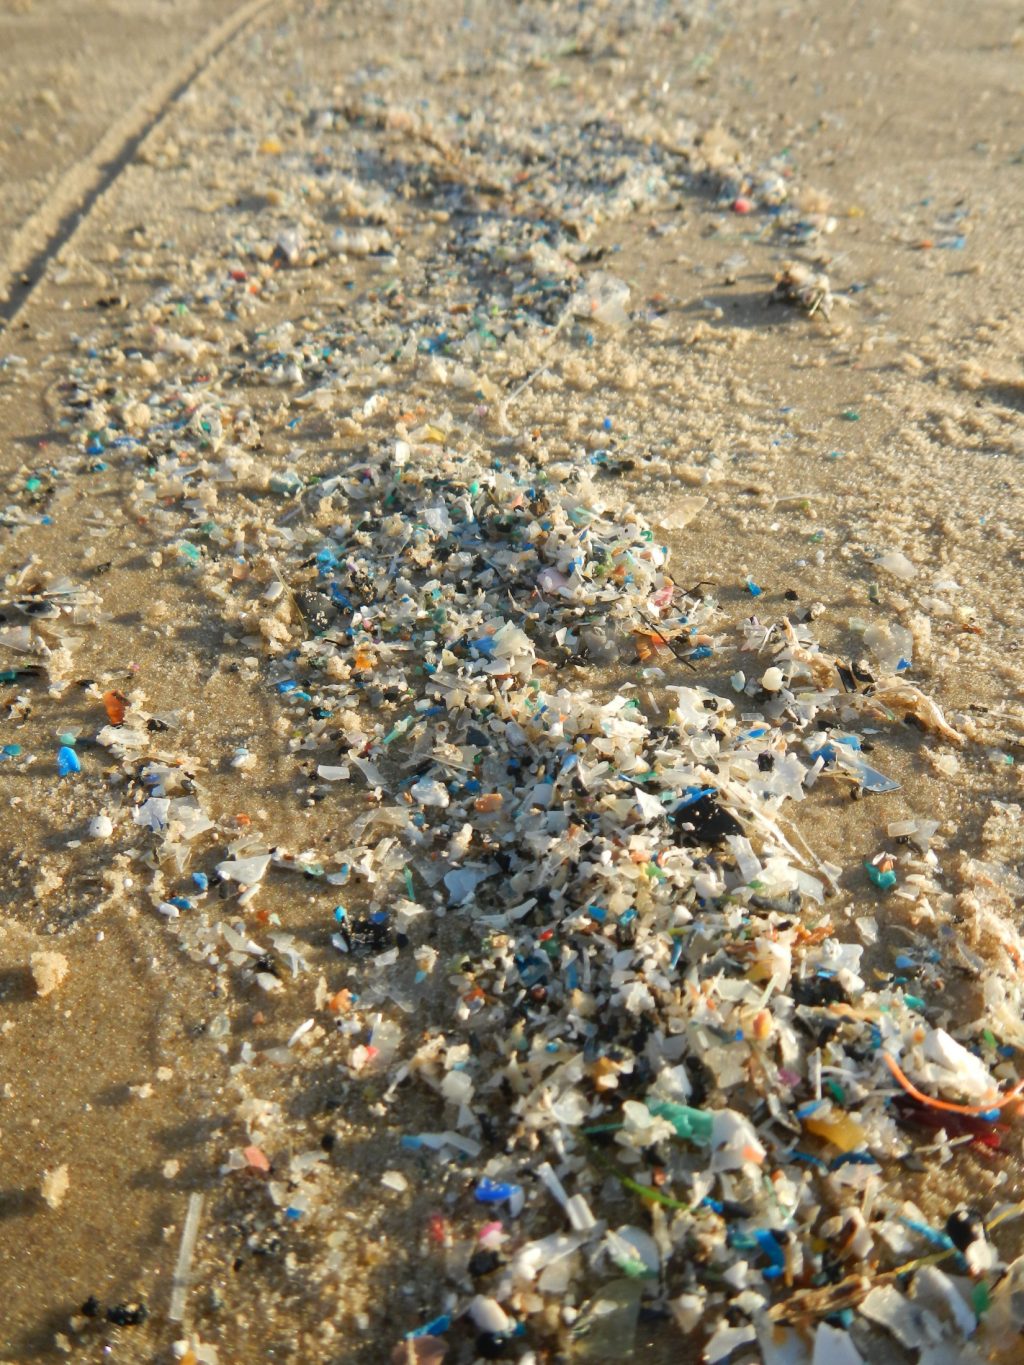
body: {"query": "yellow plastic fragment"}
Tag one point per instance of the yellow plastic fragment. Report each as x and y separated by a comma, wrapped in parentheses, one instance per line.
(843, 1132)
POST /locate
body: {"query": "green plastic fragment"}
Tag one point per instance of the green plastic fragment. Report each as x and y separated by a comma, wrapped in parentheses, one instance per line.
(850, 415)
(693, 1124)
(981, 1299)
(634, 1268)
(410, 890)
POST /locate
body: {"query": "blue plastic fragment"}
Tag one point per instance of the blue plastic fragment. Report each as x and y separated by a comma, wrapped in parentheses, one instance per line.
(807, 1159)
(765, 1239)
(852, 1159)
(932, 1235)
(495, 1192)
(201, 880)
(804, 1111)
(435, 1328)
(68, 761)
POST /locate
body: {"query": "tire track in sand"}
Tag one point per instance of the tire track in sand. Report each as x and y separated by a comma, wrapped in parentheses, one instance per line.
(35, 244)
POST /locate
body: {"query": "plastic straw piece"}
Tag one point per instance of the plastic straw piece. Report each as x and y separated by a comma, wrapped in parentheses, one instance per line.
(183, 1269)
(918, 1095)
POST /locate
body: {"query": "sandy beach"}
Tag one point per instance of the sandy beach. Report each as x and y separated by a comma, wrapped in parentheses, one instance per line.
(511, 682)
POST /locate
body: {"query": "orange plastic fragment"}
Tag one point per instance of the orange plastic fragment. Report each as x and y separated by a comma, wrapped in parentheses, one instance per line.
(115, 707)
(363, 662)
(647, 644)
(490, 801)
(256, 1158)
(762, 1025)
(340, 1002)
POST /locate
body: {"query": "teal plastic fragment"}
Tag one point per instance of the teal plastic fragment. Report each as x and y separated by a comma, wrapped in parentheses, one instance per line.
(885, 881)
(693, 1124)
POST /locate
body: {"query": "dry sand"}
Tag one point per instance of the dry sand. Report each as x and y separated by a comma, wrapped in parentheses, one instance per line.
(902, 122)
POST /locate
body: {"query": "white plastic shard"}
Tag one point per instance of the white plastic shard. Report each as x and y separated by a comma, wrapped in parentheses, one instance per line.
(955, 1068)
(833, 1346)
(887, 1306)
(246, 871)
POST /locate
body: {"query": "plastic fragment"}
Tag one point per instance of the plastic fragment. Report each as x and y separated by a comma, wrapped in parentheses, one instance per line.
(68, 762)
(186, 1251)
(247, 871)
(606, 1327)
(833, 1346)
(842, 1131)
